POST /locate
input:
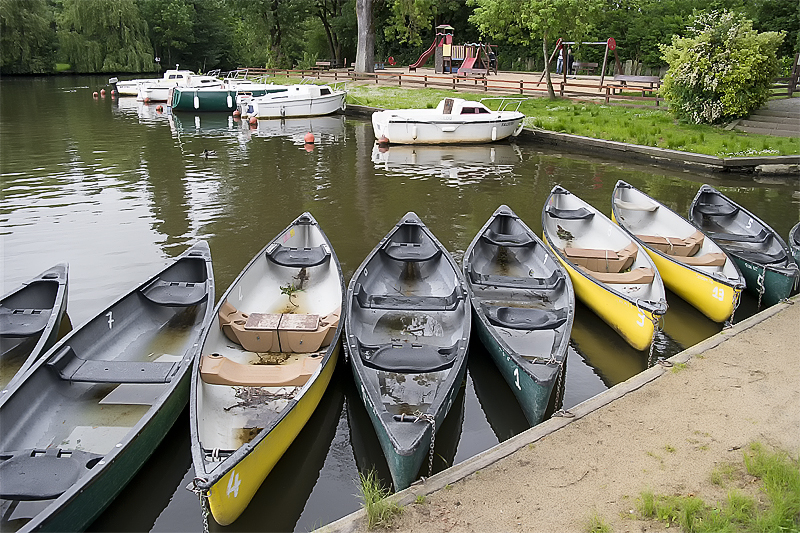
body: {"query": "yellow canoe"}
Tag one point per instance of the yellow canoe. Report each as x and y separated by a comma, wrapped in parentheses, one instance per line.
(263, 365)
(691, 264)
(610, 271)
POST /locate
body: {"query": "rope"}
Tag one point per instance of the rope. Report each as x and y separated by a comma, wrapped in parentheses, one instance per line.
(761, 288)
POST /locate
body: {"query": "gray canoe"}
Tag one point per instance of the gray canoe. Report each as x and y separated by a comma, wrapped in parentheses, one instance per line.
(30, 317)
(407, 329)
(524, 308)
(88, 414)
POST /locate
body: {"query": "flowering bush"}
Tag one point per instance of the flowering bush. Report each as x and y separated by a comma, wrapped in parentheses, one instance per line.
(722, 70)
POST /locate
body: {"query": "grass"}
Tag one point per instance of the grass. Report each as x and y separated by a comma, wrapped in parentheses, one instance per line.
(642, 126)
(380, 511)
(778, 475)
(597, 525)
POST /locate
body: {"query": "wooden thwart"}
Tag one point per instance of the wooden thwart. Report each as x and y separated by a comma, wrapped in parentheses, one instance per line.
(219, 370)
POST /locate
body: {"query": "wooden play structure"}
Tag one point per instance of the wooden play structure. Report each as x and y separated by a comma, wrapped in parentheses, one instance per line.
(472, 59)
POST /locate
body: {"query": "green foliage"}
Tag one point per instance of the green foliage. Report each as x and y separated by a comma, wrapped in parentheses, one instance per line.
(104, 36)
(380, 511)
(722, 70)
(27, 37)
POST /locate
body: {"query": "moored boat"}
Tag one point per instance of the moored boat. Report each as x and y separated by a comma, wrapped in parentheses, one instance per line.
(30, 316)
(263, 364)
(762, 255)
(131, 87)
(407, 329)
(611, 272)
(299, 100)
(454, 120)
(83, 420)
(692, 265)
(523, 305)
(216, 97)
(794, 242)
(160, 90)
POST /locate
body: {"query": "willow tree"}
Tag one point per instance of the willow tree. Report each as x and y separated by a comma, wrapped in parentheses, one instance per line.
(527, 21)
(104, 36)
(27, 37)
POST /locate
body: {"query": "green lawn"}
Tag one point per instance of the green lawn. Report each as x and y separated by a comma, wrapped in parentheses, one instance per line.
(643, 126)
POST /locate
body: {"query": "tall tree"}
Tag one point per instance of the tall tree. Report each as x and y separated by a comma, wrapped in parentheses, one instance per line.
(524, 21)
(330, 13)
(365, 49)
(27, 37)
(105, 36)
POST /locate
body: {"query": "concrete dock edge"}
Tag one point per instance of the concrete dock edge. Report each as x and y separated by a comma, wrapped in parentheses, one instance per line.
(356, 521)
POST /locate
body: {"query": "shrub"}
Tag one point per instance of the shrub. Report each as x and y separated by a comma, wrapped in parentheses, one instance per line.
(722, 70)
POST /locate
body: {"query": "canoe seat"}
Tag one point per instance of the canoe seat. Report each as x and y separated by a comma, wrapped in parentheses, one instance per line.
(707, 260)
(216, 369)
(760, 257)
(716, 210)
(70, 367)
(23, 322)
(599, 260)
(506, 239)
(35, 474)
(276, 332)
(641, 275)
(551, 283)
(298, 257)
(408, 358)
(412, 251)
(569, 214)
(175, 293)
(409, 302)
(524, 318)
(675, 245)
(631, 206)
(759, 238)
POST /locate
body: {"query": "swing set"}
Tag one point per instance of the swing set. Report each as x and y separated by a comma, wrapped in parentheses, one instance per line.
(610, 44)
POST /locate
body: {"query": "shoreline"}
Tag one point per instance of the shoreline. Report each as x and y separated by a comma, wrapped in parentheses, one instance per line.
(727, 391)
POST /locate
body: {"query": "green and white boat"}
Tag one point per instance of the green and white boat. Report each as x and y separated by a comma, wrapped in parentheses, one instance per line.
(762, 255)
(220, 97)
(523, 305)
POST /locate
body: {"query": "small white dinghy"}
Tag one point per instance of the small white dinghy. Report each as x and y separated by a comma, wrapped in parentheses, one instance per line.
(454, 120)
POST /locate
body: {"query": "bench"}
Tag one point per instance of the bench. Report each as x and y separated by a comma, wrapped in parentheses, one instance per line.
(70, 367)
(23, 322)
(407, 302)
(601, 260)
(644, 82)
(322, 65)
(551, 283)
(216, 369)
(524, 318)
(641, 275)
(408, 358)
(684, 247)
(587, 67)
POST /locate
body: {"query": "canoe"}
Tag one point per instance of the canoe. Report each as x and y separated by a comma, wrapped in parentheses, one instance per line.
(523, 305)
(407, 325)
(83, 420)
(30, 317)
(454, 120)
(794, 242)
(691, 264)
(610, 271)
(762, 255)
(263, 364)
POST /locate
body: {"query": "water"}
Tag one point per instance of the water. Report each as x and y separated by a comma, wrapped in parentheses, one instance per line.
(116, 189)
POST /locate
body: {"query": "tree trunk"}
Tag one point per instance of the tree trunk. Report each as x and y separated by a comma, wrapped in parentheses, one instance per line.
(550, 92)
(277, 55)
(365, 49)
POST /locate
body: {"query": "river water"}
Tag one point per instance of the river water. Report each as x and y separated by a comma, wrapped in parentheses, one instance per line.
(116, 189)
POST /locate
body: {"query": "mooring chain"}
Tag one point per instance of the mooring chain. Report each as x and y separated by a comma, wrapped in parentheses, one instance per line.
(203, 501)
(432, 420)
(656, 320)
(737, 299)
(761, 288)
(559, 391)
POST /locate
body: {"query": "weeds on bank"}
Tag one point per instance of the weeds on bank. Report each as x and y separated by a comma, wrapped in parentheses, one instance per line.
(779, 478)
(596, 524)
(380, 511)
(646, 127)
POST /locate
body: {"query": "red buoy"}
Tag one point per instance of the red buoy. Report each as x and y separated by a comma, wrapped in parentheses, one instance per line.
(253, 120)
(309, 138)
(160, 109)
(102, 92)
(94, 94)
(237, 113)
(383, 141)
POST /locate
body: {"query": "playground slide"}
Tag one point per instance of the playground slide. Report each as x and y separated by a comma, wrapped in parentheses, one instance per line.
(424, 57)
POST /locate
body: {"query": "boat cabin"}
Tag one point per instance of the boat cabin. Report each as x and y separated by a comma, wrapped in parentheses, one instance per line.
(459, 106)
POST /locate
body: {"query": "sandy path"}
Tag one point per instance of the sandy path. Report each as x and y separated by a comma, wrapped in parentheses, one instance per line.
(667, 437)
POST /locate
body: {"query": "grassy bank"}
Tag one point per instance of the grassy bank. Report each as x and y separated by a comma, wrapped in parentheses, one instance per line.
(648, 127)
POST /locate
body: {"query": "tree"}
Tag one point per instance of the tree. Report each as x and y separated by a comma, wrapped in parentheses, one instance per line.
(365, 48)
(722, 70)
(27, 37)
(330, 13)
(171, 30)
(104, 36)
(524, 21)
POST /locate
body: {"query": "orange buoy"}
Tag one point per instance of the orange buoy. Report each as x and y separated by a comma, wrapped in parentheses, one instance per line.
(102, 92)
(383, 141)
(237, 113)
(309, 138)
(160, 109)
(94, 94)
(146, 100)
(309, 147)
(253, 120)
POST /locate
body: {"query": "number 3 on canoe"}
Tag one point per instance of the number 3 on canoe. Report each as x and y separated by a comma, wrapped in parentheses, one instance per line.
(233, 484)
(516, 377)
(641, 320)
(719, 293)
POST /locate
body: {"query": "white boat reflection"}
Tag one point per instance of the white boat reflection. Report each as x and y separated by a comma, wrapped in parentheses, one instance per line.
(449, 161)
(326, 130)
(146, 113)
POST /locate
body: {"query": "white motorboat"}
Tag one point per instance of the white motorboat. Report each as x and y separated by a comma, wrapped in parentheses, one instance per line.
(131, 87)
(454, 120)
(159, 90)
(300, 100)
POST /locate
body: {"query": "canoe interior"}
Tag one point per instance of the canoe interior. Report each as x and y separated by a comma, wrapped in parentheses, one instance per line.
(533, 280)
(653, 221)
(96, 385)
(231, 416)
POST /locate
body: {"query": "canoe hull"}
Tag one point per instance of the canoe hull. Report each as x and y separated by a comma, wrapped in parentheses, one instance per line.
(778, 283)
